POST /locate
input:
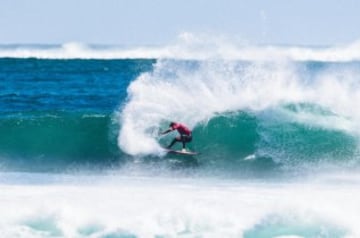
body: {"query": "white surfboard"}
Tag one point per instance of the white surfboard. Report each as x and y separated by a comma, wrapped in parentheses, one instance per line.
(180, 152)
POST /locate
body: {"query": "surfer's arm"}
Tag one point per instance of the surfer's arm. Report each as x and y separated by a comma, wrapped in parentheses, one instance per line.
(167, 131)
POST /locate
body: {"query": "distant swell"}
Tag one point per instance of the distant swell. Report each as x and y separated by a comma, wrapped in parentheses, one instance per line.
(190, 47)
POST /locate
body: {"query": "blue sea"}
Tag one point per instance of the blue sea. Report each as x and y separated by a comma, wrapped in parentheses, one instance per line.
(277, 129)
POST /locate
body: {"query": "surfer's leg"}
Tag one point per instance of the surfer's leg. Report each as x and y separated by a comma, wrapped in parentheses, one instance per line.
(185, 139)
(176, 139)
(171, 144)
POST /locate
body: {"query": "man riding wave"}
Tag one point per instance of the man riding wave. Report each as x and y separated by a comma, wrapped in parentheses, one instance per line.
(184, 131)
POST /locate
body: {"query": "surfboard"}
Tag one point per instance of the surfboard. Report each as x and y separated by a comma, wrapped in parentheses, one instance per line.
(179, 152)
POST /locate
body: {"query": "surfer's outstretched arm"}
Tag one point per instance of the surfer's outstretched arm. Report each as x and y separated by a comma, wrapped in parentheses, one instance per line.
(167, 131)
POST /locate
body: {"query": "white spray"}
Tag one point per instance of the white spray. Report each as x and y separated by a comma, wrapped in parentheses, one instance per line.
(195, 91)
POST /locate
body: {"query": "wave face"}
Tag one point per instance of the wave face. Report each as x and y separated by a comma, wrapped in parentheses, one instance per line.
(267, 114)
(46, 141)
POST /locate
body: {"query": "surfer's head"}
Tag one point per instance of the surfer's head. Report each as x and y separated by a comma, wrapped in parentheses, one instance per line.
(172, 124)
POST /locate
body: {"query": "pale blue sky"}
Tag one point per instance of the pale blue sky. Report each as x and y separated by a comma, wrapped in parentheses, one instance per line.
(153, 22)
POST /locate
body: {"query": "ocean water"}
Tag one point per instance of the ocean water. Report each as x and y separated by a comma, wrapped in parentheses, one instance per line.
(277, 129)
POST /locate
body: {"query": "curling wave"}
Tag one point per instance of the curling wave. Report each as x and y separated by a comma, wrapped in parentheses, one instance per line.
(292, 113)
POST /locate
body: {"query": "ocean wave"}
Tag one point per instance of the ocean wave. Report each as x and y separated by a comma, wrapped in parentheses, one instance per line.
(291, 113)
(244, 115)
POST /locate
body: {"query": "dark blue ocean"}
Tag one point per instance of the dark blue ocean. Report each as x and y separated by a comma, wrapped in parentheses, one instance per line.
(56, 113)
(81, 155)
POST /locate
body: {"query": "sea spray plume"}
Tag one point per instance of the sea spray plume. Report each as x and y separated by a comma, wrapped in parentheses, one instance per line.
(195, 91)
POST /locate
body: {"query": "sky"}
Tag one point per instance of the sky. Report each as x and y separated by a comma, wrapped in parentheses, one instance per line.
(157, 22)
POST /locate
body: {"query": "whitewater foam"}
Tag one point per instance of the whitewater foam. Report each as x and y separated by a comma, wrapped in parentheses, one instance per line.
(103, 206)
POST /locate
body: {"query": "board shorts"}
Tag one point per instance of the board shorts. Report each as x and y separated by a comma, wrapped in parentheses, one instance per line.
(186, 138)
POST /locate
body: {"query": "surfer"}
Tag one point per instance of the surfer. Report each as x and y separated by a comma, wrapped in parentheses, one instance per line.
(185, 134)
